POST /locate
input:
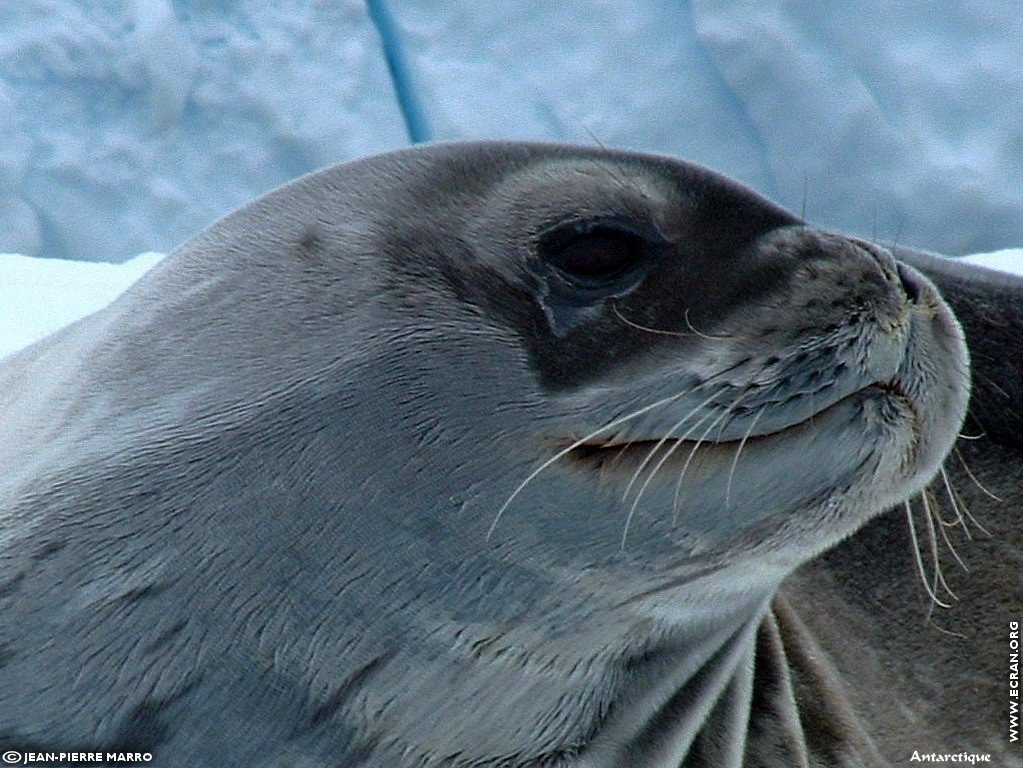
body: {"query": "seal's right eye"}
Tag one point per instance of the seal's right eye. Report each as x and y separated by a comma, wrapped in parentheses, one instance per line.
(590, 254)
(580, 264)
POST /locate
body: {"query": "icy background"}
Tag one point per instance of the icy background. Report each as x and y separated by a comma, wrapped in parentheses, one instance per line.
(129, 126)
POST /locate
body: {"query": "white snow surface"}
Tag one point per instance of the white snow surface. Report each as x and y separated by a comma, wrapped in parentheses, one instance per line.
(1009, 260)
(129, 126)
(40, 296)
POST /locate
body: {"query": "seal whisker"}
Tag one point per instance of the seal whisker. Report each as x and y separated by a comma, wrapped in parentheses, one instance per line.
(738, 452)
(582, 441)
(663, 440)
(961, 504)
(662, 332)
(691, 327)
(685, 467)
(644, 328)
(621, 178)
(964, 436)
(718, 375)
(932, 541)
(802, 205)
(956, 522)
(674, 518)
(949, 632)
(919, 558)
(976, 482)
(692, 453)
(942, 525)
(993, 384)
(667, 455)
(960, 520)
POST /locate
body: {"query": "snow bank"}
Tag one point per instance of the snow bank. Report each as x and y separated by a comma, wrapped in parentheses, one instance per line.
(40, 296)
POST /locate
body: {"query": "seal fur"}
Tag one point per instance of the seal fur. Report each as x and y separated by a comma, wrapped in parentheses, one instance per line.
(271, 505)
(916, 678)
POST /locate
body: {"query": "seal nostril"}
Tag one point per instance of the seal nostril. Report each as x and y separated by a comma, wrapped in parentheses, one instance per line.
(910, 283)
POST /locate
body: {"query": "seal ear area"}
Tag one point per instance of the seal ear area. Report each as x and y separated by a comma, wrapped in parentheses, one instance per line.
(580, 264)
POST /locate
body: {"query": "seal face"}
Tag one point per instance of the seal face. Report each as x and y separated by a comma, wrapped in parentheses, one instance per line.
(465, 455)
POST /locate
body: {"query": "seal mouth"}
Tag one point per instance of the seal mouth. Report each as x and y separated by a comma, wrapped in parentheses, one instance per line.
(622, 455)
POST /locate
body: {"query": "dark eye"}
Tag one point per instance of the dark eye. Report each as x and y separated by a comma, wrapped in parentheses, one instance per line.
(598, 255)
(593, 254)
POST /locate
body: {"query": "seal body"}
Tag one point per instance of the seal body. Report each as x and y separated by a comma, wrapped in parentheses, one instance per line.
(472, 454)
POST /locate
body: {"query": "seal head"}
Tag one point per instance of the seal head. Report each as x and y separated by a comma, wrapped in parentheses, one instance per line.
(481, 454)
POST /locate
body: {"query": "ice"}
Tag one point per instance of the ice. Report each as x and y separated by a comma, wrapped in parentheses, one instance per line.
(129, 126)
(1008, 260)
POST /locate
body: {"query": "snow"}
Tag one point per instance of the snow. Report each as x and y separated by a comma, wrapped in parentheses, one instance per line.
(40, 296)
(1008, 260)
(130, 126)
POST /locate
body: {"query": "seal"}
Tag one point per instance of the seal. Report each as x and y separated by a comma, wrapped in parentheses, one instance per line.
(894, 644)
(469, 454)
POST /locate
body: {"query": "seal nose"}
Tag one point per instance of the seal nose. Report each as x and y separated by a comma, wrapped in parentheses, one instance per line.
(912, 283)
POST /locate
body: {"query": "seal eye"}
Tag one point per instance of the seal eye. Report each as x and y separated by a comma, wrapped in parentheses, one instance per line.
(598, 255)
(581, 264)
(592, 254)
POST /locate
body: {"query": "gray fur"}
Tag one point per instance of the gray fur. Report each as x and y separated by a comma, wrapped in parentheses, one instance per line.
(267, 508)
